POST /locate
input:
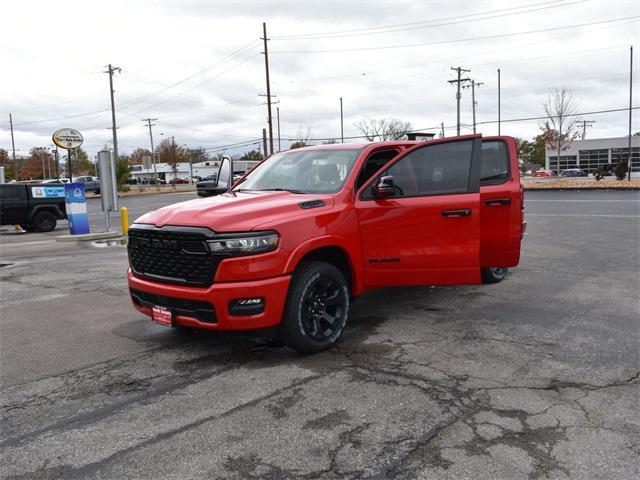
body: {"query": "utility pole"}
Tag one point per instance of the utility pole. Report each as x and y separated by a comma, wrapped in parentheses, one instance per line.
(442, 127)
(153, 155)
(110, 71)
(341, 123)
(459, 81)
(630, 108)
(473, 86)
(585, 124)
(266, 67)
(40, 151)
(57, 160)
(13, 148)
(174, 164)
(278, 115)
(264, 142)
(499, 108)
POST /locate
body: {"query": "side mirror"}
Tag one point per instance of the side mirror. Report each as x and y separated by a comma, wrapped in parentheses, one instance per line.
(218, 190)
(225, 173)
(384, 188)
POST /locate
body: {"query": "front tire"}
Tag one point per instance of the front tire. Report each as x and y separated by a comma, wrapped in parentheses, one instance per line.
(493, 274)
(317, 308)
(44, 222)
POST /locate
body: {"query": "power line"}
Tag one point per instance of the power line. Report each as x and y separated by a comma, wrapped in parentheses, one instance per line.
(219, 63)
(458, 40)
(364, 31)
(429, 23)
(148, 107)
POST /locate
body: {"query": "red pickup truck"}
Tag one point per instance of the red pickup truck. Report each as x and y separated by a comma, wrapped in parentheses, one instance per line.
(294, 240)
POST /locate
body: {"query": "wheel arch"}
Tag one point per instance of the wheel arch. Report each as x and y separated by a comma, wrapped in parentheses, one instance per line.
(333, 252)
(46, 208)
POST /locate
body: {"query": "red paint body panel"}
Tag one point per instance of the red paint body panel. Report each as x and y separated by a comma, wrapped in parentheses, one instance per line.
(502, 227)
(273, 290)
(433, 249)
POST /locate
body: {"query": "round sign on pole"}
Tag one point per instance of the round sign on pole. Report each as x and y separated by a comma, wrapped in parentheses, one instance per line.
(67, 138)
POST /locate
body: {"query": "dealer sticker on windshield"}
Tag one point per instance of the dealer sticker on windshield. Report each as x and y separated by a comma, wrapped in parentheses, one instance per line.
(162, 315)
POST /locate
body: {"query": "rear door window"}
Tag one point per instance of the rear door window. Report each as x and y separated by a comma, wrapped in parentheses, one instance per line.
(494, 164)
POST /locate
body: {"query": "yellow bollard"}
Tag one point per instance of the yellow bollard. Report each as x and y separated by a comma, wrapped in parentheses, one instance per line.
(124, 220)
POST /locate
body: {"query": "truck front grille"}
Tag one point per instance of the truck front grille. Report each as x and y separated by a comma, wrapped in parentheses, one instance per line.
(178, 255)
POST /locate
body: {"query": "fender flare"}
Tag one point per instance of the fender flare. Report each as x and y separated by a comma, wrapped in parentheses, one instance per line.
(354, 261)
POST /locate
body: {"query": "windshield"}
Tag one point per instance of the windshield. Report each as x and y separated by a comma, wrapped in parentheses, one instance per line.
(306, 171)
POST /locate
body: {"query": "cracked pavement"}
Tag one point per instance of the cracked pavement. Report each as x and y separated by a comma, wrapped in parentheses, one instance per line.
(536, 377)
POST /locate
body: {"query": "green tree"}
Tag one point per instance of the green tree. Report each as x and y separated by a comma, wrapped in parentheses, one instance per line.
(123, 170)
(7, 163)
(80, 163)
(252, 155)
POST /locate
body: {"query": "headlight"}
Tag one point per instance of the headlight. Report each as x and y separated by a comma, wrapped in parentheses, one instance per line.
(244, 243)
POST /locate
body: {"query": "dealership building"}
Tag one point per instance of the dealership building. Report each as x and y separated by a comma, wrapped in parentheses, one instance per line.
(184, 170)
(589, 154)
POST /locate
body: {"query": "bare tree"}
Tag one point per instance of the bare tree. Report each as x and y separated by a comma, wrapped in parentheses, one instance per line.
(303, 139)
(384, 129)
(560, 130)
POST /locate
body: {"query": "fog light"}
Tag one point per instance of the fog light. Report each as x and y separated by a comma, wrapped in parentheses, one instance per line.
(246, 306)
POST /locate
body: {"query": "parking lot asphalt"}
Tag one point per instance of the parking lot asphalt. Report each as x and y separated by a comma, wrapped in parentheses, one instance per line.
(534, 377)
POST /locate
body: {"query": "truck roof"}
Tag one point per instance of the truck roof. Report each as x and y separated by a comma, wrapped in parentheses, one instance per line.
(355, 146)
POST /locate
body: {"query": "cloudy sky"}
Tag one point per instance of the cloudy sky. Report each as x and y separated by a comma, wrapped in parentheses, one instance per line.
(197, 66)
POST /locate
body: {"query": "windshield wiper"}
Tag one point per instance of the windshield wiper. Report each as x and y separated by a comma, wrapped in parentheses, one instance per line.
(278, 190)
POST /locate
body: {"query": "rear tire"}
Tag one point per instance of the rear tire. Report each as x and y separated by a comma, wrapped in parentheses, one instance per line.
(44, 222)
(317, 308)
(493, 274)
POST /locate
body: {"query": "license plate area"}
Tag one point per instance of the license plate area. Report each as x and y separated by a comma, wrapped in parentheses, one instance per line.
(162, 315)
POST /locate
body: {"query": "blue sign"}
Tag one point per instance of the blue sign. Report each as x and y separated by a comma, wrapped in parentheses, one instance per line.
(76, 205)
(43, 191)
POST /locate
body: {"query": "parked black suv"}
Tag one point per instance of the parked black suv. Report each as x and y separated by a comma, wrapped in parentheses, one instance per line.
(36, 207)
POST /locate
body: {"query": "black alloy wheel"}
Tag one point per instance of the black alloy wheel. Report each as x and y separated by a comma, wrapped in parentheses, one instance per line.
(493, 274)
(317, 308)
(322, 308)
(44, 222)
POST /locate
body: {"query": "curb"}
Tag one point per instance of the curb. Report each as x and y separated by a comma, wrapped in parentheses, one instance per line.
(140, 194)
(88, 236)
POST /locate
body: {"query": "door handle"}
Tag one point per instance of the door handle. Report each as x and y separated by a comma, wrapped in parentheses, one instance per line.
(462, 212)
(494, 202)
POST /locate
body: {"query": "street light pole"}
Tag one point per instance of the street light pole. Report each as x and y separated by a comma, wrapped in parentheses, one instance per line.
(341, 123)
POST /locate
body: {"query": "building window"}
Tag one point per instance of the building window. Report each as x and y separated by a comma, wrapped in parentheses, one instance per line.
(590, 160)
(635, 156)
(566, 161)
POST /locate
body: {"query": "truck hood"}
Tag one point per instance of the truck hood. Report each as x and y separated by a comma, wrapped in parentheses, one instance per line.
(237, 211)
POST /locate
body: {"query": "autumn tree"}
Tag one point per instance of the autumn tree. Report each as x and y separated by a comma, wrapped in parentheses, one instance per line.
(171, 154)
(560, 128)
(196, 154)
(136, 156)
(384, 129)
